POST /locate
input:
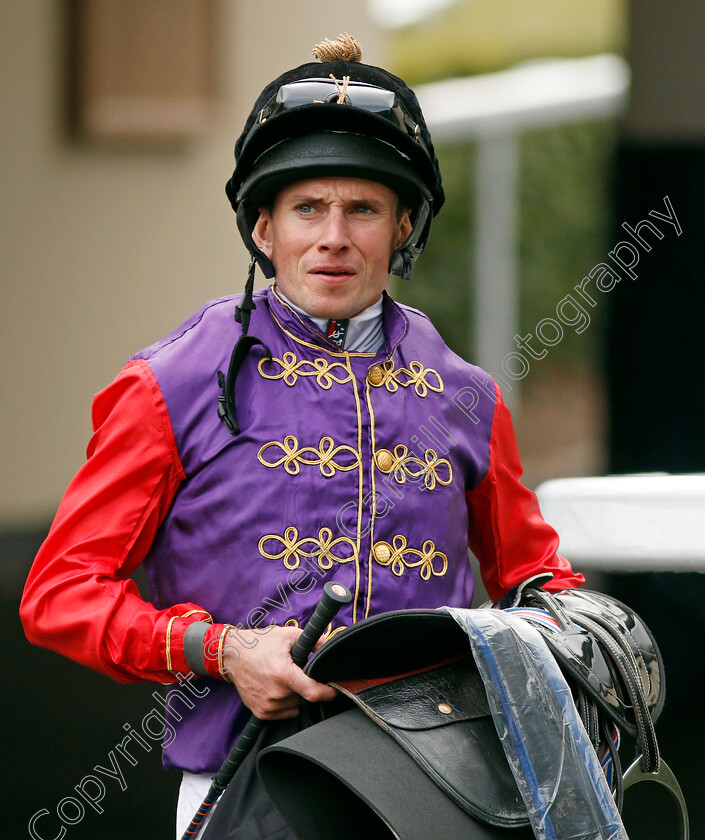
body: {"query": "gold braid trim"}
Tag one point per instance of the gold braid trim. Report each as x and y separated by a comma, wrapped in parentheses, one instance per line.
(323, 457)
(209, 619)
(292, 368)
(221, 640)
(405, 465)
(417, 375)
(168, 643)
(321, 548)
(397, 556)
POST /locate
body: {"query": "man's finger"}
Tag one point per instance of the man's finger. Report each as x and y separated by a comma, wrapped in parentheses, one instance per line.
(309, 689)
(277, 710)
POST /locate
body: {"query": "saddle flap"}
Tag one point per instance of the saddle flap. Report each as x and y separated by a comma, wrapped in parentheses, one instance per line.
(433, 697)
(441, 718)
(346, 778)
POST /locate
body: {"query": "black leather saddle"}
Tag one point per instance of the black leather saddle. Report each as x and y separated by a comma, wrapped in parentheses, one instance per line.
(409, 750)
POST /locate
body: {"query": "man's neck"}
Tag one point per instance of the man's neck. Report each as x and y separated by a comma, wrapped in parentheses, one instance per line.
(365, 331)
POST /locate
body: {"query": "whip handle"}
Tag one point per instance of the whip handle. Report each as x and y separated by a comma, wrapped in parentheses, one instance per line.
(335, 596)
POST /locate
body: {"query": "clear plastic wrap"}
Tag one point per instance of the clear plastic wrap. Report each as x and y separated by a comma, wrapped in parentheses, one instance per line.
(548, 750)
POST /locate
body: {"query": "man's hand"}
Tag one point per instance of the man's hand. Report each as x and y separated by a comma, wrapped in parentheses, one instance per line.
(264, 674)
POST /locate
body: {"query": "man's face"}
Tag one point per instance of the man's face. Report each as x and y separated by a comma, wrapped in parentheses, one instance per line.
(330, 241)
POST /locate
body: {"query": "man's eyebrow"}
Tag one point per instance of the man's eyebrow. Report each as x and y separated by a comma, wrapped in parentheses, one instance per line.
(306, 197)
(355, 199)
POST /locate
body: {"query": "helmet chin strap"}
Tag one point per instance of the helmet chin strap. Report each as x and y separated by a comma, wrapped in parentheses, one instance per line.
(402, 260)
(243, 312)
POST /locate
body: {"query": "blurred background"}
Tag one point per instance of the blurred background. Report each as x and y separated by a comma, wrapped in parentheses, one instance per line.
(555, 124)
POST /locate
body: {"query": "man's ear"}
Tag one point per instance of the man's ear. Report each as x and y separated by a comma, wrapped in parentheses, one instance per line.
(262, 232)
(404, 228)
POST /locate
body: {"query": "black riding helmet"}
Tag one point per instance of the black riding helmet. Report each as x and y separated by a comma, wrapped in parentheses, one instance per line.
(331, 117)
(337, 117)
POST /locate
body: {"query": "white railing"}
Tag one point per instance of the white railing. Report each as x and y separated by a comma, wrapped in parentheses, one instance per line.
(628, 523)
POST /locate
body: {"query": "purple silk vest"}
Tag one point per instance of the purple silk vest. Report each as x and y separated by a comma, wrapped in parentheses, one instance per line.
(352, 467)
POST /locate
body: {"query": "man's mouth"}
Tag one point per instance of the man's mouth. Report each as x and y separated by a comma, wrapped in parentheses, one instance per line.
(337, 273)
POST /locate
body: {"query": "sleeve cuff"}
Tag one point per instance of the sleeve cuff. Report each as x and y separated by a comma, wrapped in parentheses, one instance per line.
(178, 662)
(193, 647)
(212, 649)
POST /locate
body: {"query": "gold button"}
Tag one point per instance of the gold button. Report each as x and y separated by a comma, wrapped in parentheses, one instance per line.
(382, 552)
(376, 375)
(384, 460)
(445, 709)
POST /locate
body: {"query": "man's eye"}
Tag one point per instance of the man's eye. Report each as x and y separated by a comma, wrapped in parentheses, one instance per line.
(306, 209)
(365, 209)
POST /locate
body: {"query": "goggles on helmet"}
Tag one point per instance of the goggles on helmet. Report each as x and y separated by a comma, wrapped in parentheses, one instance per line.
(376, 100)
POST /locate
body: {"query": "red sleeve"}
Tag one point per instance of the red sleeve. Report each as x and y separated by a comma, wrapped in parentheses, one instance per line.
(78, 599)
(507, 533)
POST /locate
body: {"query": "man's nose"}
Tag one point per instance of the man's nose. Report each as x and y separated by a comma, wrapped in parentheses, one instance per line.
(335, 235)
